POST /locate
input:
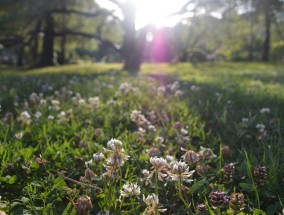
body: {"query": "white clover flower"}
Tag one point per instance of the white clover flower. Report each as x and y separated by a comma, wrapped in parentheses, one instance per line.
(111, 102)
(116, 157)
(152, 202)
(25, 118)
(195, 88)
(145, 172)
(38, 115)
(260, 126)
(152, 128)
(55, 103)
(180, 170)
(42, 102)
(245, 120)
(184, 131)
(158, 163)
(94, 101)
(178, 93)
(114, 144)
(130, 190)
(160, 140)
(19, 135)
(88, 163)
(98, 157)
(50, 117)
(206, 153)
(170, 158)
(81, 101)
(190, 156)
(264, 110)
(134, 115)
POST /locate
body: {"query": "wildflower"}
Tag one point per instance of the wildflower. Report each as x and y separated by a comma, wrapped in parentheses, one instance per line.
(152, 202)
(264, 110)
(38, 115)
(83, 204)
(226, 153)
(88, 163)
(183, 131)
(201, 207)
(260, 127)
(50, 117)
(19, 135)
(111, 172)
(130, 190)
(218, 198)
(158, 165)
(206, 153)
(125, 88)
(115, 159)
(178, 93)
(81, 102)
(170, 158)
(190, 156)
(153, 152)
(84, 144)
(245, 120)
(94, 101)
(55, 104)
(177, 126)
(152, 128)
(237, 202)
(229, 171)
(41, 161)
(111, 102)
(180, 170)
(195, 88)
(260, 175)
(89, 176)
(25, 118)
(98, 157)
(160, 140)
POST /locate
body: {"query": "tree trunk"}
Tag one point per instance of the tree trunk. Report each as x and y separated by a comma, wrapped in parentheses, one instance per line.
(20, 54)
(133, 42)
(34, 44)
(266, 44)
(48, 42)
(62, 54)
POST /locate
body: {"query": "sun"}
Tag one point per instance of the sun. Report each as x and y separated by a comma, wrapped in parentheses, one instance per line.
(157, 12)
(154, 12)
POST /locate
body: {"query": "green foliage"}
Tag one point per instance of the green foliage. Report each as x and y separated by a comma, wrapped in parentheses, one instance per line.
(44, 170)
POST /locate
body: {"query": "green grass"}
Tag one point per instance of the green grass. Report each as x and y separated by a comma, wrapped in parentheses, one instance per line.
(41, 173)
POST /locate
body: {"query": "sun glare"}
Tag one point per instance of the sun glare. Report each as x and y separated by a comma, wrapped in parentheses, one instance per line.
(157, 12)
(154, 12)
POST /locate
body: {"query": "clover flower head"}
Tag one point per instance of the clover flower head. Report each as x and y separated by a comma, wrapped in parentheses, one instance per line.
(130, 190)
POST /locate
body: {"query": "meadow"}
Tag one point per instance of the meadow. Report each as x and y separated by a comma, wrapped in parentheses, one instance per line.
(176, 139)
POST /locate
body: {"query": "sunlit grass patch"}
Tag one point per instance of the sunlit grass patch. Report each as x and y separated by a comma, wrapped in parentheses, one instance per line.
(177, 139)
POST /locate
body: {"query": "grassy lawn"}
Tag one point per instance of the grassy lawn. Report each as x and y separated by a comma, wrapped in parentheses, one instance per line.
(224, 121)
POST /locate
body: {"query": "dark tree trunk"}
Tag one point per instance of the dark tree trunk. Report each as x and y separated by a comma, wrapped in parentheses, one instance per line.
(62, 54)
(34, 44)
(48, 42)
(133, 42)
(266, 44)
(20, 54)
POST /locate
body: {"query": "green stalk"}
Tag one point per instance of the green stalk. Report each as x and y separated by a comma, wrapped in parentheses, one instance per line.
(180, 194)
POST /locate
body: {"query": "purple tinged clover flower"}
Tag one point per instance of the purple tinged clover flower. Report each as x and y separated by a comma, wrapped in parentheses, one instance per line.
(218, 198)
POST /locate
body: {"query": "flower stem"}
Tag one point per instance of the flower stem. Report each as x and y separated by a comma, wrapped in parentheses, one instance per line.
(180, 194)
(156, 183)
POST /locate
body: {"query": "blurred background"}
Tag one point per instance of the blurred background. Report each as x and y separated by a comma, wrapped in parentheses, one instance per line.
(39, 33)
